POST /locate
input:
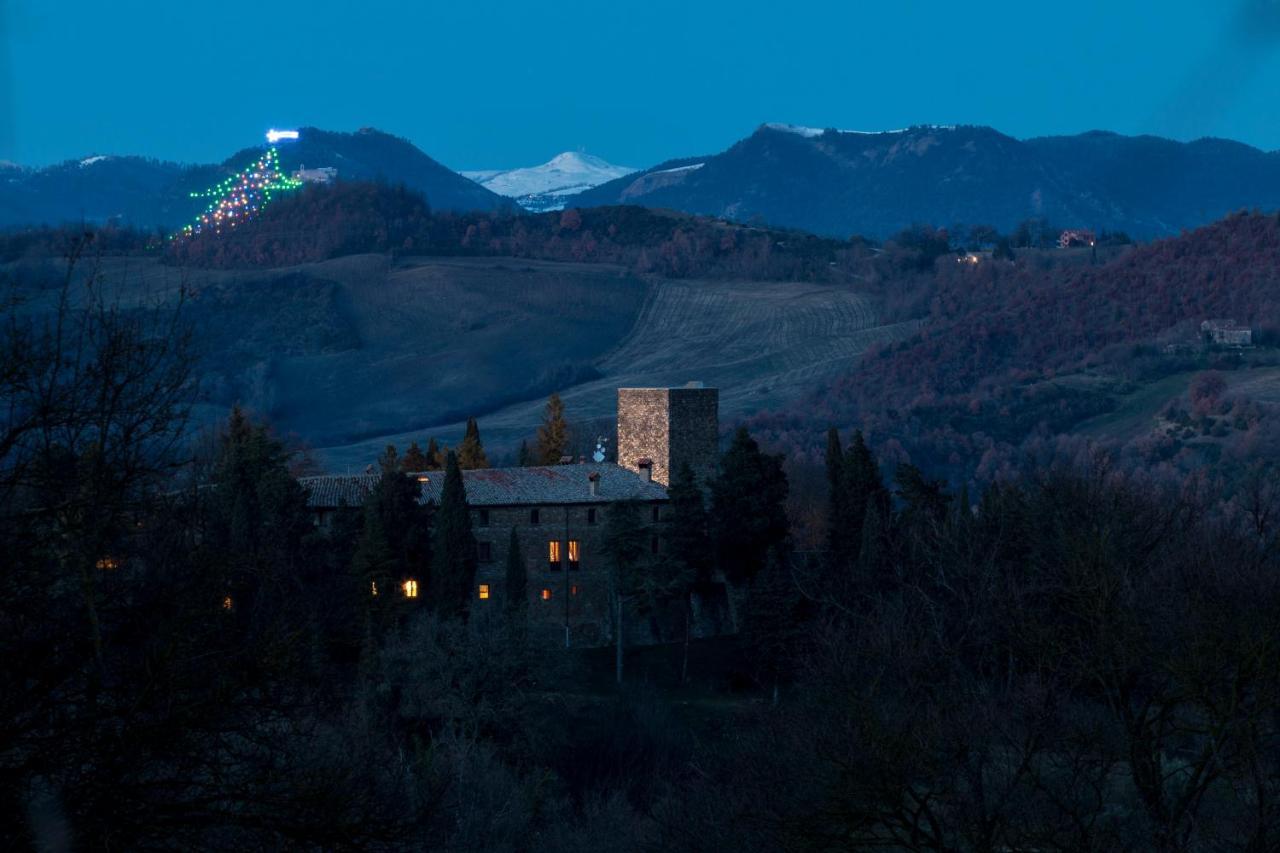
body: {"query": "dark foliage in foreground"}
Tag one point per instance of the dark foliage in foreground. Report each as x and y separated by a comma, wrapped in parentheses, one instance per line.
(1078, 661)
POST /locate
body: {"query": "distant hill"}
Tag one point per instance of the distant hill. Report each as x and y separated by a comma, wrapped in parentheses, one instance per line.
(875, 184)
(1012, 357)
(150, 193)
(545, 187)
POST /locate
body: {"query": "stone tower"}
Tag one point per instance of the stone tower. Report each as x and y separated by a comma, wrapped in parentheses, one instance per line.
(667, 427)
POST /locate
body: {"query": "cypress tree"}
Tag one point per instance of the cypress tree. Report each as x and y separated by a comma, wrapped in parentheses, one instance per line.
(623, 545)
(414, 459)
(453, 567)
(516, 591)
(772, 621)
(837, 501)
(256, 516)
(525, 457)
(435, 458)
(748, 507)
(690, 556)
(874, 556)
(389, 460)
(688, 537)
(471, 451)
(553, 435)
(862, 487)
(394, 544)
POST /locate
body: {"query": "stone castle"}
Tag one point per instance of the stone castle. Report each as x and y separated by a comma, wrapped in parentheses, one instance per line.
(558, 514)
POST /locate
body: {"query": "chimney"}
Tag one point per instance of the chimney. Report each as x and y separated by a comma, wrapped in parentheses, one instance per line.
(594, 479)
(646, 468)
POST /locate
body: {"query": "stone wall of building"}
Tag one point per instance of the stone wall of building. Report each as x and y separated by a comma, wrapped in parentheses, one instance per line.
(578, 597)
(669, 426)
(643, 429)
(694, 431)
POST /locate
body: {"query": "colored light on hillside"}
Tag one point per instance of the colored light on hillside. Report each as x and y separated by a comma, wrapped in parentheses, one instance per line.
(240, 196)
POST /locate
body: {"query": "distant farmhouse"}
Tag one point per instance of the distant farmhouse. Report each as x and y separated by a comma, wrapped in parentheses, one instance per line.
(1076, 237)
(322, 175)
(558, 513)
(1226, 333)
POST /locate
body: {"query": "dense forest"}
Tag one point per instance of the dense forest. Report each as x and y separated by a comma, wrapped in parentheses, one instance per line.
(1014, 355)
(1072, 659)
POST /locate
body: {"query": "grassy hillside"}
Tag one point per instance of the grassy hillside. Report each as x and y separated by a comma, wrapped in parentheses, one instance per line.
(354, 352)
(763, 344)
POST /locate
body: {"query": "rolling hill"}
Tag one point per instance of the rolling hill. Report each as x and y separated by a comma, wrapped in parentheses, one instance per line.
(875, 184)
(150, 193)
(351, 353)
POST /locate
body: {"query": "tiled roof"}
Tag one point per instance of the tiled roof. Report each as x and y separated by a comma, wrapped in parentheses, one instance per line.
(335, 491)
(551, 484)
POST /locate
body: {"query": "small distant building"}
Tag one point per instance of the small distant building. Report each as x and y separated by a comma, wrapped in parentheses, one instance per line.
(322, 175)
(1074, 238)
(1227, 333)
(972, 258)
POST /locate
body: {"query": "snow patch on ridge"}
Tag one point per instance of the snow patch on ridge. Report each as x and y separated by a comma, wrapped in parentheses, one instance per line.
(688, 168)
(812, 132)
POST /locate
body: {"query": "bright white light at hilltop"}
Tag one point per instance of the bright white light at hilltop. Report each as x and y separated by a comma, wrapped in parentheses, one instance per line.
(274, 136)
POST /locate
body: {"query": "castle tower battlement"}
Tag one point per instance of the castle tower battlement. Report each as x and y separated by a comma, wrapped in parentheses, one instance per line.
(668, 427)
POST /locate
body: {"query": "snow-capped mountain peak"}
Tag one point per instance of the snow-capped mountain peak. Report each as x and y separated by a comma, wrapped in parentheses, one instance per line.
(547, 186)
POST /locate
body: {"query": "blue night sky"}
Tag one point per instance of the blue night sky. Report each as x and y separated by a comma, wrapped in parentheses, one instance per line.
(502, 84)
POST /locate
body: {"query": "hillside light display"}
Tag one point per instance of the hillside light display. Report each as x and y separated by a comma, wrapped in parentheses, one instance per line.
(240, 197)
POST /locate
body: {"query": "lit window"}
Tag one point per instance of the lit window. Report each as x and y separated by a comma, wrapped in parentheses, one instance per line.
(226, 602)
(108, 563)
(484, 590)
(546, 594)
(534, 517)
(574, 552)
(410, 589)
(373, 588)
(553, 555)
(423, 478)
(575, 589)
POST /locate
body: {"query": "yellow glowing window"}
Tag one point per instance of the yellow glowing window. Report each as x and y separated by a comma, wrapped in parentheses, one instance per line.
(373, 587)
(108, 563)
(226, 602)
(484, 590)
(410, 589)
(553, 555)
(574, 590)
(574, 551)
(546, 594)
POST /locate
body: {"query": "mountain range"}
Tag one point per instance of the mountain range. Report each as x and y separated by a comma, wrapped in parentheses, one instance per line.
(546, 187)
(840, 183)
(830, 182)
